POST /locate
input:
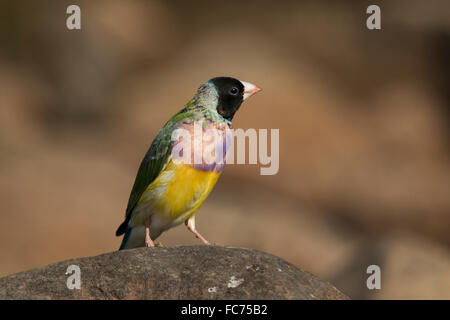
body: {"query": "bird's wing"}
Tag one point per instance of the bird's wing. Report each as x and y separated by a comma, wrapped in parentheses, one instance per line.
(155, 160)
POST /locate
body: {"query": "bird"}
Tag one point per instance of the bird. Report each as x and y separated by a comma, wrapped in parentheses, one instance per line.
(168, 189)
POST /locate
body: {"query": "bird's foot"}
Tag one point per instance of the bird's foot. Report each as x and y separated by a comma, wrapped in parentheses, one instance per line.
(190, 224)
(199, 236)
(158, 244)
(148, 241)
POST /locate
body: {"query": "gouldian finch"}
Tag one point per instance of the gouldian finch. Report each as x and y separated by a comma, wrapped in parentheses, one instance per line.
(170, 187)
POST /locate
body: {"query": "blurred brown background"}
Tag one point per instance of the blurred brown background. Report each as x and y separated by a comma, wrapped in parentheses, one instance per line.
(363, 116)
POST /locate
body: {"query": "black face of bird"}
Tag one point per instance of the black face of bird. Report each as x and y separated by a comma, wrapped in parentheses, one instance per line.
(232, 93)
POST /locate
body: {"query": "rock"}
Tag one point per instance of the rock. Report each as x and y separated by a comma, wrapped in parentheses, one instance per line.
(185, 272)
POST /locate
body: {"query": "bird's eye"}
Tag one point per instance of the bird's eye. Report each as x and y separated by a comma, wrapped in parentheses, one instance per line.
(234, 91)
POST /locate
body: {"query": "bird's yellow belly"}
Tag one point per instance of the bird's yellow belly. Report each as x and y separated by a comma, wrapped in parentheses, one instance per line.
(174, 195)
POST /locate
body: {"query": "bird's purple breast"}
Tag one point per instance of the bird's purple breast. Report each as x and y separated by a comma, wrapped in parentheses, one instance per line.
(202, 146)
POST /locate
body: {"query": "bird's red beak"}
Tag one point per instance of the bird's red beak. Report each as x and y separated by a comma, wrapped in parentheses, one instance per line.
(250, 89)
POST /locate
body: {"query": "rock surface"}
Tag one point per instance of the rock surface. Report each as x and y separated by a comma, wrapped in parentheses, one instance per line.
(185, 272)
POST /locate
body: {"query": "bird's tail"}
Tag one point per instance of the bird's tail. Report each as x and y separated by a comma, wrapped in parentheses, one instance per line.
(134, 237)
(123, 227)
(126, 236)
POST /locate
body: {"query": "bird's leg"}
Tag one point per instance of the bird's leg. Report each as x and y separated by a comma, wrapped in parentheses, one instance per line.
(148, 240)
(190, 224)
